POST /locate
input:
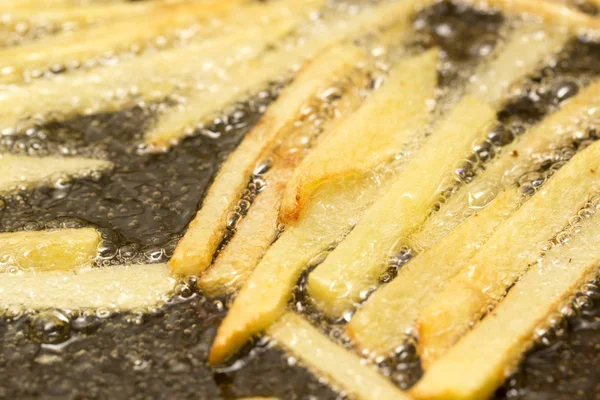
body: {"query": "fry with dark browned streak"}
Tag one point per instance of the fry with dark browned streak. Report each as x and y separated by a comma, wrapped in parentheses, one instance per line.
(195, 251)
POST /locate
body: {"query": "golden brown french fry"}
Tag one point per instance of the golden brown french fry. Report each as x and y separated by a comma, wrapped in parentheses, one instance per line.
(195, 251)
(527, 47)
(357, 263)
(17, 63)
(509, 252)
(481, 360)
(382, 323)
(61, 249)
(24, 172)
(328, 359)
(265, 294)
(114, 288)
(330, 214)
(257, 231)
(352, 148)
(254, 75)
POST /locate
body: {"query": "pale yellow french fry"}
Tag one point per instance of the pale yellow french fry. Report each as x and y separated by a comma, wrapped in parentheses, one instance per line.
(114, 288)
(19, 61)
(254, 75)
(36, 4)
(195, 251)
(526, 48)
(71, 15)
(147, 78)
(325, 358)
(480, 361)
(357, 263)
(257, 231)
(553, 132)
(509, 252)
(381, 325)
(61, 249)
(24, 172)
(253, 237)
(333, 210)
(353, 148)
(265, 294)
(443, 256)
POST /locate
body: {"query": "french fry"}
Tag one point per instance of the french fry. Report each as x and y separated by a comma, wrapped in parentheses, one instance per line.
(526, 48)
(36, 4)
(265, 294)
(257, 231)
(352, 148)
(326, 358)
(356, 264)
(382, 323)
(555, 131)
(195, 251)
(250, 77)
(325, 220)
(24, 172)
(56, 16)
(61, 249)
(114, 288)
(147, 78)
(479, 362)
(17, 62)
(509, 252)
(253, 237)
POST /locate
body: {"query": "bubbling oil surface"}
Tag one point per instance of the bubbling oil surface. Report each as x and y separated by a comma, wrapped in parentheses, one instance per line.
(143, 207)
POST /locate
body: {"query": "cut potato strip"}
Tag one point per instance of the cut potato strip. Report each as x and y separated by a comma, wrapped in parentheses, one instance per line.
(24, 172)
(417, 283)
(556, 130)
(515, 245)
(257, 231)
(155, 76)
(479, 362)
(239, 83)
(250, 77)
(115, 288)
(57, 16)
(526, 48)
(378, 131)
(253, 237)
(358, 262)
(195, 251)
(381, 325)
(61, 249)
(325, 220)
(146, 78)
(42, 4)
(266, 293)
(328, 359)
(423, 278)
(20, 62)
